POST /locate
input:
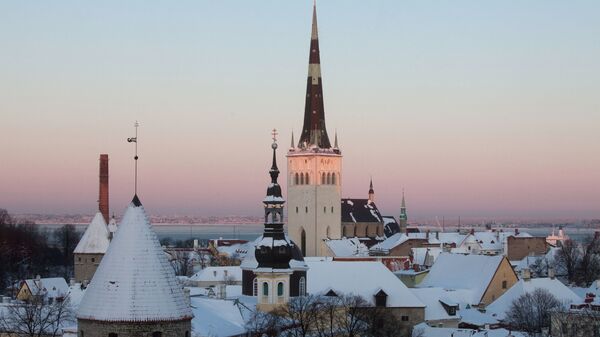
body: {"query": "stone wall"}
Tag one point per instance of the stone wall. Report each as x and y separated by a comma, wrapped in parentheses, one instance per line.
(88, 328)
(504, 278)
(518, 248)
(86, 265)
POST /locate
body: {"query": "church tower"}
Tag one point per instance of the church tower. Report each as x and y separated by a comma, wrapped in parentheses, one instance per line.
(314, 168)
(403, 218)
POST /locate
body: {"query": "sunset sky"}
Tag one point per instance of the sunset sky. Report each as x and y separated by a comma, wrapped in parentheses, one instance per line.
(475, 108)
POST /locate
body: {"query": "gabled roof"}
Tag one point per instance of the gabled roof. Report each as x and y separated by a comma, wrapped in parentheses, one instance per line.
(233, 273)
(347, 247)
(457, 271)
(360, 210)
(431, 297)
(390, 226)
(216, 317)
(565, 295)
(134, 282)
(95, 239)
(48, 287)
(365, 279)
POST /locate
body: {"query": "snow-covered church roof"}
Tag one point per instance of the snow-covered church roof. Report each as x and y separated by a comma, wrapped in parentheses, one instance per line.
(95, 239)
(134, 282)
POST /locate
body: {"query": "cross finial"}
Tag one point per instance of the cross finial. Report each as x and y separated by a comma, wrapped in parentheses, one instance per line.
(135, 158)
(274, 134)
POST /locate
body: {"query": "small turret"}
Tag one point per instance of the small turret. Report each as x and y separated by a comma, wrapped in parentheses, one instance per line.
(371, 192)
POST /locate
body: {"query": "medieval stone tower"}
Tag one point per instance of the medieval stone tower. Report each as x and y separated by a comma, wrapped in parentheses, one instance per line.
(314, 169)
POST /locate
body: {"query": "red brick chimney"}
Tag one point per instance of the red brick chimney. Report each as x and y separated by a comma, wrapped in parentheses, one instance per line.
(103, 194)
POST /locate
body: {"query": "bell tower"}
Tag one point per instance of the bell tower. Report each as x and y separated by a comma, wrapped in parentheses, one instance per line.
(314, 168)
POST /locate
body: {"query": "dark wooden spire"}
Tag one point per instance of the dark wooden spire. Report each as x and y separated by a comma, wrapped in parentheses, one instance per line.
(314, 131)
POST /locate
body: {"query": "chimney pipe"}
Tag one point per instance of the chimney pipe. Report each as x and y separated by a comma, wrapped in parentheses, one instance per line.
(103, 192)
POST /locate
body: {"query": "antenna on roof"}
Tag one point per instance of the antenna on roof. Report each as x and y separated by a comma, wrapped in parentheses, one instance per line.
(135, 158)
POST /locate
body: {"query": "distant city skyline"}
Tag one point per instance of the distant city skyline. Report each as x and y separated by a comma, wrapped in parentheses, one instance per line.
(479, 110)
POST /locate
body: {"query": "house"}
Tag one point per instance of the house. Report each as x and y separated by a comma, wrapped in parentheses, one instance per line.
(502, 304)
(361, 218)
(213, 276)
(441, 310)
(424, 257)
(346, 247)
(484, 278)
(370, 280)
(401, 244)
(46, 289)
(424, 330)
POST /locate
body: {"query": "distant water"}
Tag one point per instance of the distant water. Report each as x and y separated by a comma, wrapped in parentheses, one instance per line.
(201, 232)
(205, 232)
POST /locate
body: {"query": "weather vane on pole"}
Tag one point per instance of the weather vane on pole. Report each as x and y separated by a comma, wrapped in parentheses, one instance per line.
(134, 140)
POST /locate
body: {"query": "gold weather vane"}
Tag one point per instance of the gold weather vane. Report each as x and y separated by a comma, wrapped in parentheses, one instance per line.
(135, 158)
(274, 134)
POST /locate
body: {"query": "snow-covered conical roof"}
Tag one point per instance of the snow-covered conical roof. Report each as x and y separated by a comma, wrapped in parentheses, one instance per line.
(134, 282)
(95, 239)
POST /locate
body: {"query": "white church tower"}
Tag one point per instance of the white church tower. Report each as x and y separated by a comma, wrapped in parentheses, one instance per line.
(314, 169)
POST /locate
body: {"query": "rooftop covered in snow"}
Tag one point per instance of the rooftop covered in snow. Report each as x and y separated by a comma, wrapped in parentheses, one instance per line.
(134, 282)
(95, 240)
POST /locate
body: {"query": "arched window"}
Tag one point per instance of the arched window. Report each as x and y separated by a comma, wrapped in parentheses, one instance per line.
(328, 178)
(81, 333)
(157, 334)
(296, 180)
(187, 334)
(327, 232)
(303, 242)
(306, 179)
(323, 178)
(255, 287)
(265, 289)
(301, 178)
(280, 289)
(112, 334)
(302, 285)
(333, 182)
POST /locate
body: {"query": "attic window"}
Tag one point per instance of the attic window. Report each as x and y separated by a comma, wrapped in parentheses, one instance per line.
(380, 299)
(331, 293)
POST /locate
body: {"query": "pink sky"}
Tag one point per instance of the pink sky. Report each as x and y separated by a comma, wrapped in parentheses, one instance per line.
(467, 125)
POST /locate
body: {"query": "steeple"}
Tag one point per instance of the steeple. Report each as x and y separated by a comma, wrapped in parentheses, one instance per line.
(371, 192)
(314, 132)
(403, 215)
(274, 250)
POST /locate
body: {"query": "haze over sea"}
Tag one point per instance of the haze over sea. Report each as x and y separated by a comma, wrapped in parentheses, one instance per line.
(204, 232)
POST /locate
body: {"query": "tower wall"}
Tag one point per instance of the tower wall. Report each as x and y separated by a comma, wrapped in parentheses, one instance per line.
(103, 191)
(314, 207)
(89, 328)
(86, 265)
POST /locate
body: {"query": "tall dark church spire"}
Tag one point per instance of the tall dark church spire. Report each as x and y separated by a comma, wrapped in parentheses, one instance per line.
(314, 131)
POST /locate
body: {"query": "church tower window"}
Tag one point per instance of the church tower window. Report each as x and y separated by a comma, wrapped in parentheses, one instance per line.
(296, 180)
(301, 178)
(306, 179)
(280, 289)
(333, 182)
(302, 286)
(265, 289)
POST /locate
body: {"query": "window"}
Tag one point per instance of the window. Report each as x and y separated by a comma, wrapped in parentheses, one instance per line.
(302, 286)
(333, 182)
(306, 179)
(328, 178)
(255, 287)
(157, 334)
(323, 179)
(265, 289)
(112, 334)
(79, 259)
(81, 333)
(324, 209)
(303, 242)
(404, 318)
(503, 284)
(331, 209)
(280, 289)
(306, 209)
(187, 334)
(296, 181)
(301, 179)
(296, 209)
(381, 299)
(93, 259)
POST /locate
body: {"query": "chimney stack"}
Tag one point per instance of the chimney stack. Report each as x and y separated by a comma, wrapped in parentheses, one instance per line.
(103, 194)
(551, 273)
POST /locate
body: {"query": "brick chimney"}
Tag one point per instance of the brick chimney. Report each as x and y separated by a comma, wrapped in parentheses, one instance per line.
(103, 194)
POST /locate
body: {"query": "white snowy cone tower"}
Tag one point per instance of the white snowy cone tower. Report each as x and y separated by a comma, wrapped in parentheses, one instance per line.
(134, 291)
(91, 248)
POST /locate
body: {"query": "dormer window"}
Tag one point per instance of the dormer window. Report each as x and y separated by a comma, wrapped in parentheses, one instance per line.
(380, 299)
(331, 293)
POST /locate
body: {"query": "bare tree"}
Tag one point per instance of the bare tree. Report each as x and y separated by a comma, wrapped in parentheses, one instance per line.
(182, 262)
(530, 312)
(264, 324)
(589, 266)
(300, 314)
(36, 318)
(568, 256)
